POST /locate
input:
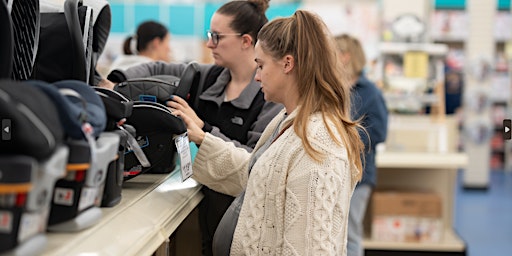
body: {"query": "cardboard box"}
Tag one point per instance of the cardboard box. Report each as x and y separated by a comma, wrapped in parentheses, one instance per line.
(406, 216)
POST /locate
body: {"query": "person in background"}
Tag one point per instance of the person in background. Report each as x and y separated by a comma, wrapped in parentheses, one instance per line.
(369, 106)
(230, 104)
(294, 189)
(150, 43)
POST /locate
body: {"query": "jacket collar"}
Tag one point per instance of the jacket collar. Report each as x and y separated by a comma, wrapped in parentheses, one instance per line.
(216, 92)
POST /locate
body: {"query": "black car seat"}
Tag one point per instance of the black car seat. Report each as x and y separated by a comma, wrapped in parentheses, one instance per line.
(33, 157)
(154, 123)
(77, 196)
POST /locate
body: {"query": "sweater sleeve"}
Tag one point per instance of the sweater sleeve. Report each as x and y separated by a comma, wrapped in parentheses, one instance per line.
(221, 165)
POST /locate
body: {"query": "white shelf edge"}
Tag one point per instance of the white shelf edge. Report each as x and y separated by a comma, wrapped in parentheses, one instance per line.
(451, 242)
(401, 48)
(428, 160)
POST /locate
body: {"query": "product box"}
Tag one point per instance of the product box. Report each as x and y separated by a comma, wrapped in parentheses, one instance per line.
(406, 216)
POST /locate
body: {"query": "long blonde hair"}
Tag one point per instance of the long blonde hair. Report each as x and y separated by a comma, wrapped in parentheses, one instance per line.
(320, 83)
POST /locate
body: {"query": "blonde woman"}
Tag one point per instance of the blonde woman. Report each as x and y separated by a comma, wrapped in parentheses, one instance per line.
(229, 103)
(293, 191)
(368, 105)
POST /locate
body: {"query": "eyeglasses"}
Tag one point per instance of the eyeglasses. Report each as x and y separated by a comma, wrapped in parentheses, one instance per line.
(215, 37)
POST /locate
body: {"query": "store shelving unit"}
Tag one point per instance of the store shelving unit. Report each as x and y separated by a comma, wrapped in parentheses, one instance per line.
(508, 112)
(411, 162)
(501, 96)
(417, 92)
(451, 26)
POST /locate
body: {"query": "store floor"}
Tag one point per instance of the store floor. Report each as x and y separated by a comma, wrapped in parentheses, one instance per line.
(483, 218)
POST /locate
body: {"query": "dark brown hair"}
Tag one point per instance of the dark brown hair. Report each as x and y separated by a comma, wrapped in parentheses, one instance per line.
(248, 16)
(146, 32)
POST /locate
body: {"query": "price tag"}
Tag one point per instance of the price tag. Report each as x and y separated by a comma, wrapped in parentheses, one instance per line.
(183, 147)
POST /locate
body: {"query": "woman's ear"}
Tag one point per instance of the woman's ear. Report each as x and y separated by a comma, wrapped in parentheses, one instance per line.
(247, 41)
(288, 63)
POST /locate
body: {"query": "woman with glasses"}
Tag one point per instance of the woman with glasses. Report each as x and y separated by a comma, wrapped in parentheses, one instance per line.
(231, 105)
(294, 189)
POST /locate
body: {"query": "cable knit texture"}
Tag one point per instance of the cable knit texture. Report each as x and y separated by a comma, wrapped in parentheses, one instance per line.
(293, 205)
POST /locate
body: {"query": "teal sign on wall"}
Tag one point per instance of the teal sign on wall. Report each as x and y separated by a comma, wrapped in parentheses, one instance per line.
(194, 19)
(181, 19)
(118, 21)
(144, 12)
(461, 4)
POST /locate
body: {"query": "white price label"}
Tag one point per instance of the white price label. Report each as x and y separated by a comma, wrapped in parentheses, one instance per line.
(31, 224)
(87, 197)
(183, 147)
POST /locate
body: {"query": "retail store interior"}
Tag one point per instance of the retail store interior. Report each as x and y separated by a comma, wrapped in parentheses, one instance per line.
(445, 70)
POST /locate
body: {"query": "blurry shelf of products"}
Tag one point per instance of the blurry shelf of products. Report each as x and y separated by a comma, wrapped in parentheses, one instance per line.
(420, 154)
(447, 27)
(501, 90)
(451, 25)
(507, 161)
(498, 151)
(412, 77)
(151, 209)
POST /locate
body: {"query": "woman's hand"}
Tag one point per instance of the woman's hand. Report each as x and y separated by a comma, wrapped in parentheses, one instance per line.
(105, 83)
(180, 104)
(195, 133)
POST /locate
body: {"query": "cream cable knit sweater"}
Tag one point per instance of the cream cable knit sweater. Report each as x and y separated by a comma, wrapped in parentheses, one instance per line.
(293, 204)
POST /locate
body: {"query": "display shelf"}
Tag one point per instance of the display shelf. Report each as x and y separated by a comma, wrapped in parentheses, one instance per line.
(151, 209)
(416, 160)
(451, 243)
(413, 77)
(401, 48)
(417, 166)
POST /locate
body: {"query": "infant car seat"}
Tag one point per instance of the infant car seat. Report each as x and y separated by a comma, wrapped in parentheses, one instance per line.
(118, 109)
(32, 158)
(77, 196)
(154, 124)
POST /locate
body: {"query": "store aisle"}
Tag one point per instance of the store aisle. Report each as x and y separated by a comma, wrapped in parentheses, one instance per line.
(483, 218)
